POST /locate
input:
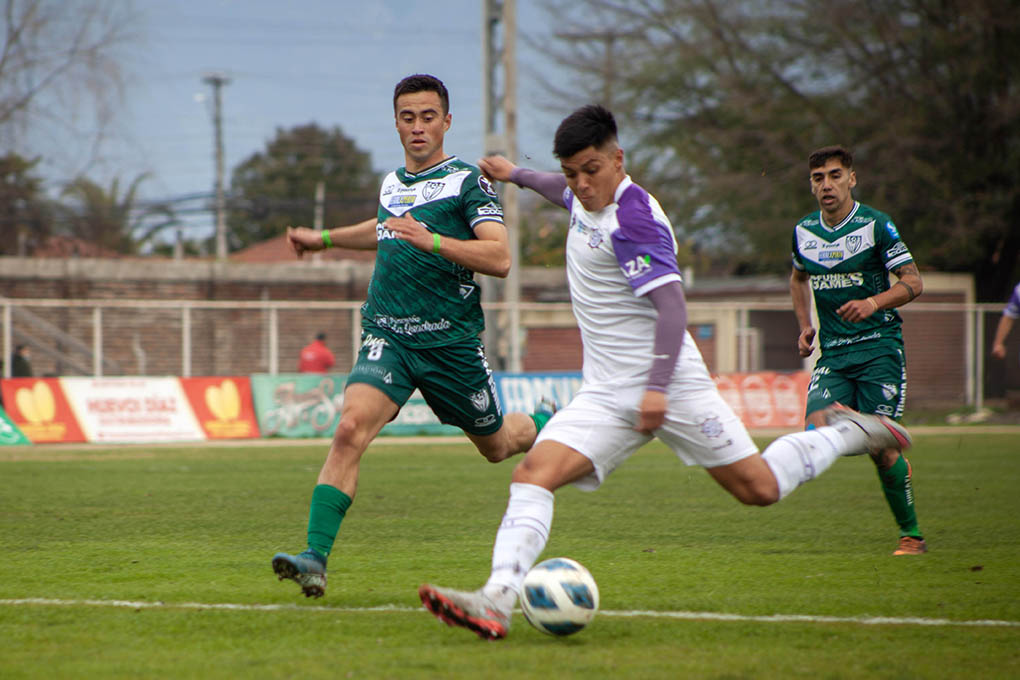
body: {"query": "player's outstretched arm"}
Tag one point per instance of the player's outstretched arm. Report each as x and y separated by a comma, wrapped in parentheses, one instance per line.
(360, 236)
(549, 185)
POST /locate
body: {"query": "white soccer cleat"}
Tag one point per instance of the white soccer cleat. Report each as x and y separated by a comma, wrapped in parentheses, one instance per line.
(881, 432)
(471, 610)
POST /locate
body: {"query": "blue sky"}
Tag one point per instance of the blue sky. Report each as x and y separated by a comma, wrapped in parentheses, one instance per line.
(293, 62)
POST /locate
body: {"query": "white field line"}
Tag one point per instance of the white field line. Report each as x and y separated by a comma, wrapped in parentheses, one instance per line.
(690, 616)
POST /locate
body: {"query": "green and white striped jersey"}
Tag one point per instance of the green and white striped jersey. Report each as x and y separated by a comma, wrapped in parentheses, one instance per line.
(850, 261)
(422, 298)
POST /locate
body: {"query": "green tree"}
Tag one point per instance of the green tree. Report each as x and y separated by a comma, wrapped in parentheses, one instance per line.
(276, 188)
(26, 215)
(110, 219)
(726, 99)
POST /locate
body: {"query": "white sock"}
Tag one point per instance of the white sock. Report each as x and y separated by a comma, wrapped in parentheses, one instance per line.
(802, 456)
(521, 538)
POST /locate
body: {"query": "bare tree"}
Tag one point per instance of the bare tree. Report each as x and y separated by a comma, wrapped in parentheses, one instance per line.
(60, 69)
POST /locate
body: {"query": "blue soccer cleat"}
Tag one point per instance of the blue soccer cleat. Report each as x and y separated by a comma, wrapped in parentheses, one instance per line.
(308, 570)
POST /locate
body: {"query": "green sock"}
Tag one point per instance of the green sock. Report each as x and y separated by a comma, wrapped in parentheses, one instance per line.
(900, 495)
(328, 507)
(540, 420)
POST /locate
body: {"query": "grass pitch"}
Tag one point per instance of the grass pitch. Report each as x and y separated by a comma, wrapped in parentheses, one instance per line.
(154, 562)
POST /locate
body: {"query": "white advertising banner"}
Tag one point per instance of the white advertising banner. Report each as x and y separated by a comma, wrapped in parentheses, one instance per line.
(126, 409)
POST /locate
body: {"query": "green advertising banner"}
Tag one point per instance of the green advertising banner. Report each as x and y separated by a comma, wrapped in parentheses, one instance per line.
(295, 405)
(9, 432)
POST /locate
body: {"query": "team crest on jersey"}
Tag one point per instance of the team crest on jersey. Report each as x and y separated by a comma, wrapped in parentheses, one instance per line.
(595, 238)
(853, 243)
(431, 190)
(481, 400)
(486, 186)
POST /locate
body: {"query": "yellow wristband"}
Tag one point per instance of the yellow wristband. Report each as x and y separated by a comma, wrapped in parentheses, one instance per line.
(436, 242)
(873, 304)
(326, 240)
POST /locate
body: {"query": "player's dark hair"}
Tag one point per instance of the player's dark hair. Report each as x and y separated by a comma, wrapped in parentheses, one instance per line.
(320, 336)
(421, 82)
(821, 156)
(591, 125)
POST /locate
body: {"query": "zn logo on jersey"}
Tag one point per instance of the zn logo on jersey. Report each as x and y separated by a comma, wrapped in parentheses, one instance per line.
(638, 266)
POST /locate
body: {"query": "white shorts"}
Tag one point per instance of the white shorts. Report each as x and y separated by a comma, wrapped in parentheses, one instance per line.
(700, 428)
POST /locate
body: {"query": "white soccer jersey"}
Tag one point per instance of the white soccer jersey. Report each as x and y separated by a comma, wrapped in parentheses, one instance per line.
(614, 258)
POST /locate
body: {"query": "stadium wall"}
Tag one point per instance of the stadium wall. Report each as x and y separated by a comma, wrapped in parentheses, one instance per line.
(235, 340)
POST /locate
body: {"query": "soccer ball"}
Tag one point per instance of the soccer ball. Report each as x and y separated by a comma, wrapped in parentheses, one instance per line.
(559, 596)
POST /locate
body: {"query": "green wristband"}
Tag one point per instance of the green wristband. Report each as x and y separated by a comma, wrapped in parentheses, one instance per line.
(436, 242)
(326, 240)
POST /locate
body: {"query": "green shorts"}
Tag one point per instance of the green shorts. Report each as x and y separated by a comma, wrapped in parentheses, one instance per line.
(454, 379)
(870, 381)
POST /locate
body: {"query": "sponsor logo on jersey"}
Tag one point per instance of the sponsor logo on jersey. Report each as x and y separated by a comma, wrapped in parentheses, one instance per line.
(486, 186)
(889, 391)
(595, 238)
(898, 248)
(891, 228)
(431, 190)
(836, 281)
(884, 410)
(388, 378)
(638, 266)
(854, 242)
(490, 209)
(466, 289)
(402, 201)
(810, 245)
(481, 400)
(829, 255)
(382, 233)
(485, 420)
(387, 190)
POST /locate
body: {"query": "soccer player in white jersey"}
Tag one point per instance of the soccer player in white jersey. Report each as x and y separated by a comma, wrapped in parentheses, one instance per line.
(1009, 316)
(643, 375)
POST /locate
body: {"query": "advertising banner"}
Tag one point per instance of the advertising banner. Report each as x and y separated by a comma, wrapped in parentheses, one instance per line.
(38, 408)
(10, 435)
(223, 406)
(521, 392)
(766, 399)
(132, 409)
(308, 405)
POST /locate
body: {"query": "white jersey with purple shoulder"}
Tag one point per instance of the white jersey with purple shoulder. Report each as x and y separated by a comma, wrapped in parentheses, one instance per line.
(1012, 309)
(615, 256)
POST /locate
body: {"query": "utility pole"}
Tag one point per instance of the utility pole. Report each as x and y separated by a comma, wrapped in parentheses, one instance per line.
(499, 56)
(218, 80)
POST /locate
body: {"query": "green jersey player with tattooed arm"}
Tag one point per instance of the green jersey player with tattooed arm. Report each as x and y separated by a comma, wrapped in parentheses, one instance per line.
(439, 221)
(843, 253)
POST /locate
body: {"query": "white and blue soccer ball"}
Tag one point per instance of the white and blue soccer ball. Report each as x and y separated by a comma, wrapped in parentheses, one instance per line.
(559, 596)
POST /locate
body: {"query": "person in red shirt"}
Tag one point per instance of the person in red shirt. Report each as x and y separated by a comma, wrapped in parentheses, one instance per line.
(316, 357)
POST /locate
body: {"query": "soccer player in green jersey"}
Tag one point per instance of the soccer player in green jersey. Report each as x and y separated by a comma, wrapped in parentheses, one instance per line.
(439, 222)
(844, 253)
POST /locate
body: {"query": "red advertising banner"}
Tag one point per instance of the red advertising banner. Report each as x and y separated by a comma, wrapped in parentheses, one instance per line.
(223, 406)
(39, 407)
(767, 398)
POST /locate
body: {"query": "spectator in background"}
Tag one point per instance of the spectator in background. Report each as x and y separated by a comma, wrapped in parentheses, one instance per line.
(316, 357)
(21, 362)
(1009, 316)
